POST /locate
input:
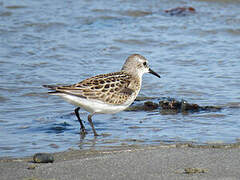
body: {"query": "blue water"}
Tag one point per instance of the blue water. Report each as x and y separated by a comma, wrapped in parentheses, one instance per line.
(55, 42)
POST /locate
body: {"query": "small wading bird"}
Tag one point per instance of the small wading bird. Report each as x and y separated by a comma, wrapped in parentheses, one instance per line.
(106, 93)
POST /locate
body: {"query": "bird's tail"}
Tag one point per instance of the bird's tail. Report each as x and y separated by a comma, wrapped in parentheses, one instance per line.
(53, 87)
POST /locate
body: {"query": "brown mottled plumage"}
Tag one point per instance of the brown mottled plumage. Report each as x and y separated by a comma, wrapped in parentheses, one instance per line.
(106, 93)
(112, 88)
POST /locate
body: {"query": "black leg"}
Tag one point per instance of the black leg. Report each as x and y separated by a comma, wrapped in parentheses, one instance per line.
(91, 123)
(82, 128)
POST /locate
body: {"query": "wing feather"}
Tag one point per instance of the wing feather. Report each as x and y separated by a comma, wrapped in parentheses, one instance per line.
(112, 88)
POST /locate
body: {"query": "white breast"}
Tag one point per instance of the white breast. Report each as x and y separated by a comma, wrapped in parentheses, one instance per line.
(96, 106)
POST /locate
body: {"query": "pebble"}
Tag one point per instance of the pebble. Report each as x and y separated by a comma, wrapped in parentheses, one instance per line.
(43, 158)
(31, 167)
(194, 170)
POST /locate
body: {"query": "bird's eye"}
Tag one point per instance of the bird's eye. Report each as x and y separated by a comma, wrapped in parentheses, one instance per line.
(145, 63)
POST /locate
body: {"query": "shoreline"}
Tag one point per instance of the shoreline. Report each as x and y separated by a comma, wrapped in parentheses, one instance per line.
(116, 149)
(166, 161)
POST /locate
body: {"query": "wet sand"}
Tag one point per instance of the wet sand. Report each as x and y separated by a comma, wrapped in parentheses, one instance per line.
(178, 161)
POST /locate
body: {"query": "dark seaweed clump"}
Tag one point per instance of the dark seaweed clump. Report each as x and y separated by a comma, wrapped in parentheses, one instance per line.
(169, 105)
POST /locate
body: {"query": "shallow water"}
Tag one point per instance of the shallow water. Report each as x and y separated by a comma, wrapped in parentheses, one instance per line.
(53, 42)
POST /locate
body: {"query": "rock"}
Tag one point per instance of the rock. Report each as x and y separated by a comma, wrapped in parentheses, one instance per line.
(180, 11)
(185, 106)
(171, 105)
(149, 106)
(31, 167)
(194, 170)
(53, 146)
(43, 158)
(146, 106)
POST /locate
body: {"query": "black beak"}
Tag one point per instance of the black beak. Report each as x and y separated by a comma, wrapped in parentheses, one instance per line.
(154, 73)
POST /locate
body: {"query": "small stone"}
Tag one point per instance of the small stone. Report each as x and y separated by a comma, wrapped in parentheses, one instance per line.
(149, 105)
(180, 11)
(31, 167)
(194, 170)
(185, 106)
(43, 158)
(170, 104)
(54, 146)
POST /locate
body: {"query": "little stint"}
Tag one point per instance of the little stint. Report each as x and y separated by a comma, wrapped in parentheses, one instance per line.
(106, 93)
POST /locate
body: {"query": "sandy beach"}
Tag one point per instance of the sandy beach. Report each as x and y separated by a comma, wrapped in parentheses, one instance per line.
(178, 161)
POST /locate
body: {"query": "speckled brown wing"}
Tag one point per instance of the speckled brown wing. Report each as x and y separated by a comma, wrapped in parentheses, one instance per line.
(113, 88)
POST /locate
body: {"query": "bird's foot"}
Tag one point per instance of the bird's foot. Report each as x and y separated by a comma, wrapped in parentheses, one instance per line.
(83, 131)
